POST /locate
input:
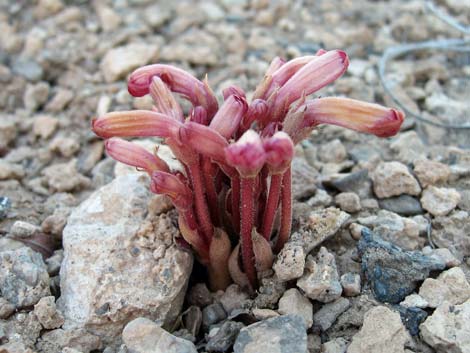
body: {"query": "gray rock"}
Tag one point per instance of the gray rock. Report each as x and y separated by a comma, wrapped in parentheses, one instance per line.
(357, 182)
(225, 337)
(57, 340)
(47, 314)
(5, 205)
(145, 336)
(293, 302)
(120, 61)
(283, 334)
(336, 345)
(321, 280)
(304, 179)
(213, 314)
(23, 229)
(446, 330)
(320, 199)
(409, 147)
(6, 308)
(414, 301)
(27, 68)
(348, 202)
(35, 96)
(351, 283)
(233, 298)
(199, 295)
(328, 313)
(23, 277)
(332, 152)
(450, 286)
(404, 205)
(320, 226)
(382, 331)
(270, 290)
(453, 232)
(109, 275)
(391, 272)
(398, 230)
(21, 328)
(394, 179)
(290, 262)
(440, 201)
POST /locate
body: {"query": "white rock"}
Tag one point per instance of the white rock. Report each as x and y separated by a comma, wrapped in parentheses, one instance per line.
(444, 255)
(431, 172)
(333, 151)
(44, 126)
(414, 300)
(145, 336)
(290, 262)
(447, 329)
(348, 202)
(120, 61)
(450, 286)
(351, 283)
(393, 179)
(439, 201)
(382, 332)
(109, 275)
(293, 302)
(47, 314)
(321, 280)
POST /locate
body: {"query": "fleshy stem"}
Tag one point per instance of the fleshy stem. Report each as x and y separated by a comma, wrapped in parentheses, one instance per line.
(247, 214)
(235, 180)
(271, 205)
(202, 211)
(286, 210)
(210, 171)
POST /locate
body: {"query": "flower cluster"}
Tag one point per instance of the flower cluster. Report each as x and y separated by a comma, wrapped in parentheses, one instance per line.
(234, 198)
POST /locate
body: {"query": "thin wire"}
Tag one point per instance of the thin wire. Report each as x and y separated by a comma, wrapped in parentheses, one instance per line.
(451, 44)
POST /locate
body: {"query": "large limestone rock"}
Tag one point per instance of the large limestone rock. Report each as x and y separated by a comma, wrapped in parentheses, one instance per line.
(381, 332)
(120, 263)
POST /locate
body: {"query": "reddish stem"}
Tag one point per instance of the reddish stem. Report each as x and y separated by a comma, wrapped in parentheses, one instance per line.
(286, 210)
(246, 226)
(236, 203)
(202, 211)
(271, 205)
(210, 172)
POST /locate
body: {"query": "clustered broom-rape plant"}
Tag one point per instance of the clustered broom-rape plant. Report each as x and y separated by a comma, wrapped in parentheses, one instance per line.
(236, 157)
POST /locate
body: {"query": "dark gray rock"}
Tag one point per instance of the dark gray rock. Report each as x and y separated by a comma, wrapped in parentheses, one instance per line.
(213, 314)
(304, 178)
(391, 272)
(357, 182)
(282, 334)
(404, 205)
(225, 336)
(412, 317)
(327, 315)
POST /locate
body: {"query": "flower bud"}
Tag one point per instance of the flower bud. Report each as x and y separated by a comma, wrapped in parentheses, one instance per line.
(173, 187)
(257, 111)
(233, 91)
(204, 140)
(279, 152)
(199, 115)
(247, 155)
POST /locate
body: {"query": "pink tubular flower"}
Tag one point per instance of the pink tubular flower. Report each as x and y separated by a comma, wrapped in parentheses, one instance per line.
(135, 123)
(179, 81)
(204, 140)
(279, 152)
(317, 73)
(134, 155)
(247, 155)
(165, 103)
(227, 119)
(353, 114)
(174, 188)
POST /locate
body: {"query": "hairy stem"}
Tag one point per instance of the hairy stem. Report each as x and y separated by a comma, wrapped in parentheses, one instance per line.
(286, 210)
(236, 203)
(247, 214)
(271, 205)
(210, 171)
(202, 211)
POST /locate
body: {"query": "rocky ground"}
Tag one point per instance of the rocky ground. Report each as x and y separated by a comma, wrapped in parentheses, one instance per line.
(379, 257)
